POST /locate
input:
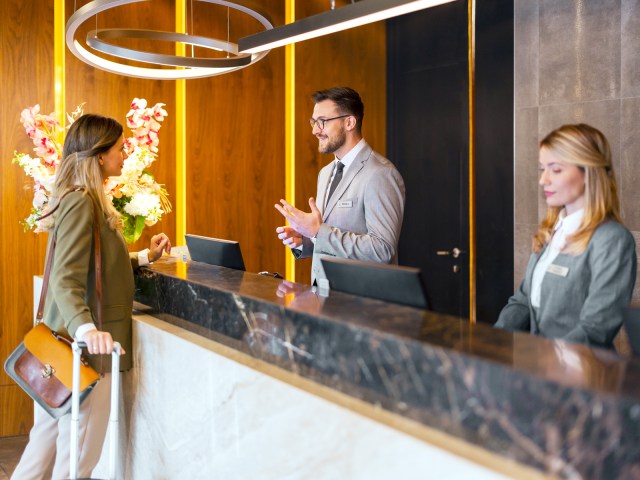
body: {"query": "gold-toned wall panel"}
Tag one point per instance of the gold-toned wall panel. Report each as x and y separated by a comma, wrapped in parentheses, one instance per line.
(355, 58)
(235, 145)
(26, 38)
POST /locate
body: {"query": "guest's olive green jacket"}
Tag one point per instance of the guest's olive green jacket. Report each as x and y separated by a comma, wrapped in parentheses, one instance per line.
(71, 299)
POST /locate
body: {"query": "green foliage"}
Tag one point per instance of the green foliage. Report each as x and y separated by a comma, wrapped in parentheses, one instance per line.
(133, 227)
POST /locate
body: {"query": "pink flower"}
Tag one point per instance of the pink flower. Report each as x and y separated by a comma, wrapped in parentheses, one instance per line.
(45, 132)
(158, 112)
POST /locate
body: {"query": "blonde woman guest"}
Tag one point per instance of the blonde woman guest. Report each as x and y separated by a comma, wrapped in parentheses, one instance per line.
(93, 151)
(582, 270)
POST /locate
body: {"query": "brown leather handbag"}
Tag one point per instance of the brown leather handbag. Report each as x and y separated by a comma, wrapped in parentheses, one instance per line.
(42, 364)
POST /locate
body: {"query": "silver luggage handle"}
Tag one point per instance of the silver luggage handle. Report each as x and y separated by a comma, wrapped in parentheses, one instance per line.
(77, 347)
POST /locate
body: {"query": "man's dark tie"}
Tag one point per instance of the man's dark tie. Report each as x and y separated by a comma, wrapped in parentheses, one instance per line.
(336, 179)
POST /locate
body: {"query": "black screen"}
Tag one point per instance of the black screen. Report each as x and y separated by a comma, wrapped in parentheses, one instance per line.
(214, 251)
(390, 283)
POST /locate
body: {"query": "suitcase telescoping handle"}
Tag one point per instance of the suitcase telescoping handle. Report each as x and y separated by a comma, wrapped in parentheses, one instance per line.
(113, 415)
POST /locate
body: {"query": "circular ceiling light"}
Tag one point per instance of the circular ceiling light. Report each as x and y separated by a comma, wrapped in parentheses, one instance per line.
(95, 39)
(185, 67)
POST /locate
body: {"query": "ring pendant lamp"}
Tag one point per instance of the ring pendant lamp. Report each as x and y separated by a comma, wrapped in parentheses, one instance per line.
(331, 21)
(184, 67)
(95, 39)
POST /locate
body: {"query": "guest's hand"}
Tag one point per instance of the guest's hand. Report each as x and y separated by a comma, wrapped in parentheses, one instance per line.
(289, 288)
(159, 243)
(289, 237)
(99, 342)
(304, 223)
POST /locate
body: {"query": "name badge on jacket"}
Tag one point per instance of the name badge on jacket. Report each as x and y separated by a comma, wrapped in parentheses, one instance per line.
(558, 270)
(345, 204)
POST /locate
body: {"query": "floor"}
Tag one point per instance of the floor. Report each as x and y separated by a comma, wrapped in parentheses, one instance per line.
(10, 451)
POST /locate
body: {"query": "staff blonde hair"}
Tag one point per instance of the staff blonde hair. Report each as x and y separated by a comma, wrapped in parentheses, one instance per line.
(587, 148)
(89, 137)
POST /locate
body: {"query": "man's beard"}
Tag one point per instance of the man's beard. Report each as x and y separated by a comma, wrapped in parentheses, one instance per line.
(334, 144)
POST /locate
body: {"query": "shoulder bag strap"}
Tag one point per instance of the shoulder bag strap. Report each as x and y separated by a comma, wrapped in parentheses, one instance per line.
(97, 260)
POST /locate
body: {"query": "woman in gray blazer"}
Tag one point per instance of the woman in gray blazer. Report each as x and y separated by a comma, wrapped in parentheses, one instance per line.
(582, 271)
(93, 151)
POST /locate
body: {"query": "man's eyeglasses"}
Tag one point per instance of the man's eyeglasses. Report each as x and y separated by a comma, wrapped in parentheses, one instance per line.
(321, 121)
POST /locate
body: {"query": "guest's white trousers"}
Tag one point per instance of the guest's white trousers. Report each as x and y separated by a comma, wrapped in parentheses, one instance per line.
(47, 453)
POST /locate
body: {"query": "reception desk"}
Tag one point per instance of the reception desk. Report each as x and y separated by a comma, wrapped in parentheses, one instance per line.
(243, 376)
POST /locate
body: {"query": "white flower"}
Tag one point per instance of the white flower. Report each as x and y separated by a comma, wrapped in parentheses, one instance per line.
(39, 198)
(147, 180)
(43, 225)
(145, 204)
(48, 183)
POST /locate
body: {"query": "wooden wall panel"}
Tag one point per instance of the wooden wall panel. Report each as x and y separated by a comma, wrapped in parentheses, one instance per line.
(235, 145)
(355, 58)
(26, 36)
(17, 411)
(109, 94)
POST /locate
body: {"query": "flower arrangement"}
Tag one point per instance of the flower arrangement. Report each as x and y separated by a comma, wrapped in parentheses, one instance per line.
(135, 194)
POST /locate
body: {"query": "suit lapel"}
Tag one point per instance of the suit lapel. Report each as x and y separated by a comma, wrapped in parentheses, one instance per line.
(532, 310)
(356, 166)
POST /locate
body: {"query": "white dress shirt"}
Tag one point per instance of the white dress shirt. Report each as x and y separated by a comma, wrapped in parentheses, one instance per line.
(567, 225)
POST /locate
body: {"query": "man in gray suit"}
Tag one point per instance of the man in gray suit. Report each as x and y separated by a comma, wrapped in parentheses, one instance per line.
(360, 195)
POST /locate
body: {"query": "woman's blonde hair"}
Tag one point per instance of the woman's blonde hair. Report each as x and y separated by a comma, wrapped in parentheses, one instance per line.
(88, 138)
(588, 149)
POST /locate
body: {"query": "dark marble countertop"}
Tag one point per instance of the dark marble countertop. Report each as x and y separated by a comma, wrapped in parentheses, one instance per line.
(562, 408)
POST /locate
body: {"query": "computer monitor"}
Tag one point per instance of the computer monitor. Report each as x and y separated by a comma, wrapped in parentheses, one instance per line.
(632, 326)
(214, 251)
(390, 283)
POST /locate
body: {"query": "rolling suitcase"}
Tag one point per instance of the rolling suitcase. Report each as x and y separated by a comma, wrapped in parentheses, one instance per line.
(113, 415)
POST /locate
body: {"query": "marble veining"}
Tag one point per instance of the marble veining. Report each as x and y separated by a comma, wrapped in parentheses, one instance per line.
(564, 409)
(195, 414)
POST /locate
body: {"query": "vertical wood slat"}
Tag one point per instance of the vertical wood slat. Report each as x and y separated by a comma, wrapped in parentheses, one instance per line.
(236, 145)
(26, 36)
(471, 32)
(17, 411)
(290, 130)
(180, 197)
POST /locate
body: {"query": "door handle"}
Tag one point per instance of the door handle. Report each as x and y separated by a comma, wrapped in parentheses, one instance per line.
(455, 253)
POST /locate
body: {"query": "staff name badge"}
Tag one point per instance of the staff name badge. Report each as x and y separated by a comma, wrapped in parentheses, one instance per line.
(345, 204)
(558, 270)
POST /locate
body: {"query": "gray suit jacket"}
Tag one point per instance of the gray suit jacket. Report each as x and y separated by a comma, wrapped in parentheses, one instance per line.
(585, 300)
(363, 217)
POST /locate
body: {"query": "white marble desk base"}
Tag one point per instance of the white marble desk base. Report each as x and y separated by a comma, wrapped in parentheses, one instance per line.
(195, 414)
